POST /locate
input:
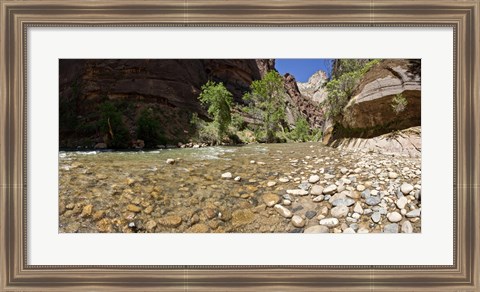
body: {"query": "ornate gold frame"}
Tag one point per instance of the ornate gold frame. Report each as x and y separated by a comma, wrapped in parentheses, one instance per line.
(16, 16)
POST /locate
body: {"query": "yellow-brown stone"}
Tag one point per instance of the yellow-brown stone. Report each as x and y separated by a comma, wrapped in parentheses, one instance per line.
(198, 228)
(87, 211)
(270, 199)
(242, 217)
(134, 208)
(104, 225)
(171, 221)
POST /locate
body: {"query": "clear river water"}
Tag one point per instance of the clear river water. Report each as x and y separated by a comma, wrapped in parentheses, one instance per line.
(236, 189)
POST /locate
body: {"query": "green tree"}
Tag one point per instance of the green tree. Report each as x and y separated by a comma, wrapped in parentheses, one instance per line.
(342, 66)
(112, 127)
(343, 83)
(219, 100)
(148, 129)
(301, 131)
(267, 103)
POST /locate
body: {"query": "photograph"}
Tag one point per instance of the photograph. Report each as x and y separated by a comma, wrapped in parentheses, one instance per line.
(239, 146)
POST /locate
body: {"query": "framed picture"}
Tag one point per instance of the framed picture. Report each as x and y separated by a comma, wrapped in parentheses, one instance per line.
(237, 146)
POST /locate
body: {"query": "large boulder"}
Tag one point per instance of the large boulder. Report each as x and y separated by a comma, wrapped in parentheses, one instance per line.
(370, 113)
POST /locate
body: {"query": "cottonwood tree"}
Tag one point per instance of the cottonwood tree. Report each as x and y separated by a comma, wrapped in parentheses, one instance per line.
(219, 100)
(267, 103)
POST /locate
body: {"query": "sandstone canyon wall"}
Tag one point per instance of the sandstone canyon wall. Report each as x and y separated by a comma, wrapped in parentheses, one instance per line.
(370, 110)
(300, 104)
(314, 88)
(170, 87)
(370, 114)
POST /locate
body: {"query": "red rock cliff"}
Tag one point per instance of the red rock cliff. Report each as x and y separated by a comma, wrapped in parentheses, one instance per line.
(170, 86)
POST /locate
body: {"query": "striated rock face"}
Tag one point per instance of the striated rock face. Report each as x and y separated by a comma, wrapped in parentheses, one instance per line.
(406, 142)
(176, 82)
(299, 104)
(370, 113)
(313, 89)
(265, 65)
(171, 87)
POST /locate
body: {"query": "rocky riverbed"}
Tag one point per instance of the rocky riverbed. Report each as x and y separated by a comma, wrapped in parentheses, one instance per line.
(293, 187)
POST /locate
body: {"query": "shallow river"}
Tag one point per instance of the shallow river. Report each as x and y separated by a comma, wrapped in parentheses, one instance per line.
(141, 192)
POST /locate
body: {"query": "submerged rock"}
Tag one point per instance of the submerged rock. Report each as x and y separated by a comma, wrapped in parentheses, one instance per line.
(170, 221)
(104, 225)
(242, 217)
(270, 199)
(87, 211)
(198, 228)
(134, 208)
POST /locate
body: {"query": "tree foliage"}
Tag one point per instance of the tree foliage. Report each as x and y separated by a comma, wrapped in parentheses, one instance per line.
(219, 100)
(149, 129)
(267, 103)
(342, 66)
(343, 83)
(112, 126)
(301, 132)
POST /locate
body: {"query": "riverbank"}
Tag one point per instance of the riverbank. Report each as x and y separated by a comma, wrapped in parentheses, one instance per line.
(289, 187)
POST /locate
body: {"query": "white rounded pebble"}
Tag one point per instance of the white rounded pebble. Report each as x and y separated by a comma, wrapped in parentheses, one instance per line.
(227, 175)
(394, 217)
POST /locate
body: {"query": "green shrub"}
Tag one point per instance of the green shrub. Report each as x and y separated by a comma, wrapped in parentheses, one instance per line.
(237, 122)
(260, 135)
(316, 135)
(112, 126)
(301, 131)
(208, 133)
(343, 66)
(149, 130)
(246, 136)
(203, 132)
(399, 103)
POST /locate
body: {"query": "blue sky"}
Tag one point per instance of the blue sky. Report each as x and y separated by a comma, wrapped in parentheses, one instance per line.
(302, 69)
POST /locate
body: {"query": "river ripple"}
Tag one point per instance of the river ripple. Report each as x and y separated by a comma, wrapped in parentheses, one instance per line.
(140, 192)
